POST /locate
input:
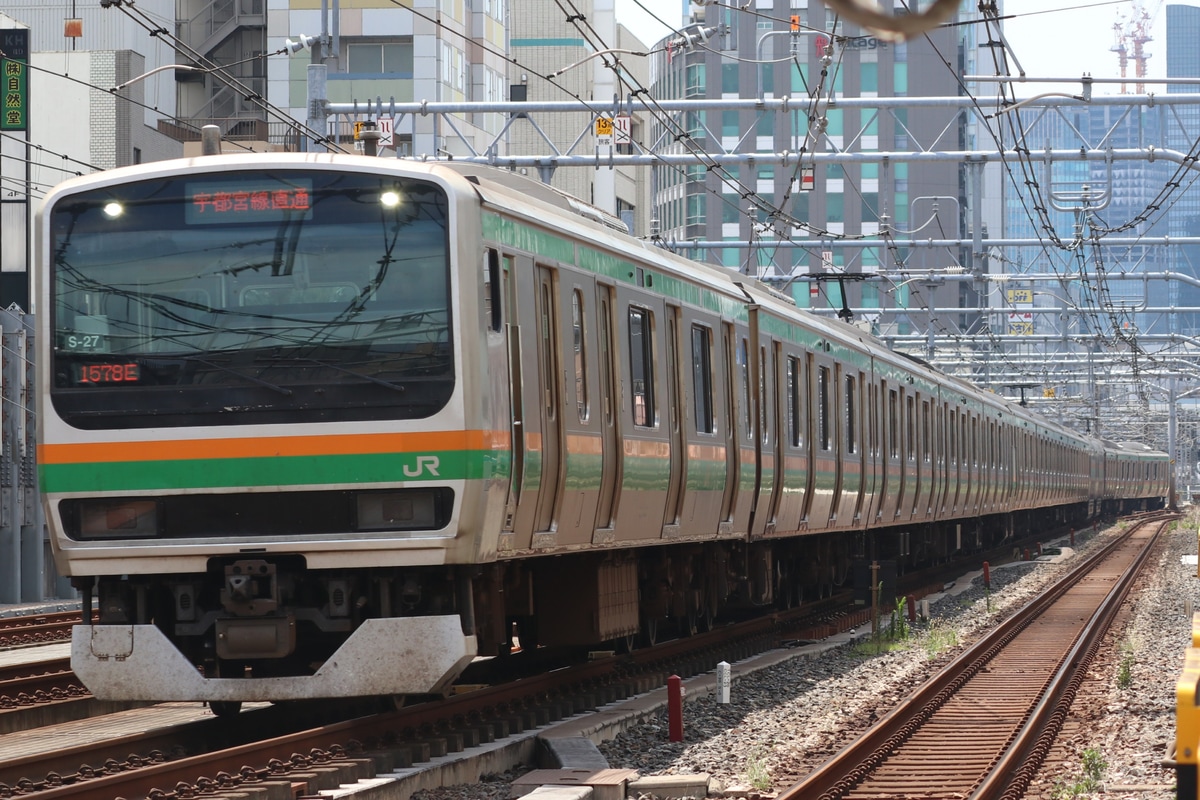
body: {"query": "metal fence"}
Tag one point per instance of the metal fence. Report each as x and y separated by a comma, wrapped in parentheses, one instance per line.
(27, 573)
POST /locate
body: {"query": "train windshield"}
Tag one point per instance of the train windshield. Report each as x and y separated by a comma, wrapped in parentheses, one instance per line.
(235, 297)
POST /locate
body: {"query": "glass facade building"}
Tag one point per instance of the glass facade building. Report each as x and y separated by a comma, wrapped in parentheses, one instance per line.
(801, 50)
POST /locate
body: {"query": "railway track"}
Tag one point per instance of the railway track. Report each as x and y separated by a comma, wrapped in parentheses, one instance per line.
(208, 753)
(29, 685)
(54, 626)
(982, 727)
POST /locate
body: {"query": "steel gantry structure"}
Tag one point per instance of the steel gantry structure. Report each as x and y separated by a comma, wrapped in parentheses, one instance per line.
(1096, 367)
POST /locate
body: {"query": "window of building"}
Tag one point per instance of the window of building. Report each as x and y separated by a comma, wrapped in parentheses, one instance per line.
(765, 125)
(870, 206)
(766, 78)
(835, 117)
(729, 78)
(730, 127)
(835, 207)
(379, 58)
(800, 83)
(695, 80)
(869, 77)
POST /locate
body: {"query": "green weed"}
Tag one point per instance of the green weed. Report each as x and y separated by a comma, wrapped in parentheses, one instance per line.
(940, 638)
(757, 772)
(1094, 767)
(1125, 667)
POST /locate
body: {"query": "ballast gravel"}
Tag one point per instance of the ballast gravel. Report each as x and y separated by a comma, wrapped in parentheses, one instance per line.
(785, 720)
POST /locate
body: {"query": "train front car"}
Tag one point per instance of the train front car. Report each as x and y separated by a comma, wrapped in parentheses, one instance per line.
(255, 441)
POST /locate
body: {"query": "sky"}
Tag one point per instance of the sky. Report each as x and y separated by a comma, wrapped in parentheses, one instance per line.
(1055, 39)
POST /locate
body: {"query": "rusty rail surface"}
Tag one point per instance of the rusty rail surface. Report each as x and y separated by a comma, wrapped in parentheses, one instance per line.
(982, 726)
(39, 628)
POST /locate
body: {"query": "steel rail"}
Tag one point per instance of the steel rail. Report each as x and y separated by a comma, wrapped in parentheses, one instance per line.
(839, 776)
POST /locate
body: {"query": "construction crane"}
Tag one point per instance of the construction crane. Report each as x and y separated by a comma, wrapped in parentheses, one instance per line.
(1132, 34)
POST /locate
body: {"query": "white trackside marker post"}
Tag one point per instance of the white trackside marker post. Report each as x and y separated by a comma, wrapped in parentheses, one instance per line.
(723, 682)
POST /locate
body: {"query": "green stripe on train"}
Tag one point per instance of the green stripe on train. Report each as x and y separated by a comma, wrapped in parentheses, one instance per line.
(211, 473)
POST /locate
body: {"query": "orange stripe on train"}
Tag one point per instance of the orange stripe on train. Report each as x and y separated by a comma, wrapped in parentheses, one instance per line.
(271, 446)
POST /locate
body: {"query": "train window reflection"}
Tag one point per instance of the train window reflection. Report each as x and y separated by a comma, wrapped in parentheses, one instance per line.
(581, 387)
(641, 367)
(337, 304)
(702, 382)
(823, 408)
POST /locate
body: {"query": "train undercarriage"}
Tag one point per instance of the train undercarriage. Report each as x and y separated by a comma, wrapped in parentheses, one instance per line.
(268, 629)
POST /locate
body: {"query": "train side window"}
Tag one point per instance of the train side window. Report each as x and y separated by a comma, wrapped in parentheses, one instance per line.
(910, 419)
(743, 357)
(823, 407)
(975, 441)
(952, 449)
(851, 416)
(893, 431)
(763, 420)
(702, 379)
(925, 449)
(491, 290)
(793, 400)
(579, 344)
(606, 368)
(641, 367)
(549, 368)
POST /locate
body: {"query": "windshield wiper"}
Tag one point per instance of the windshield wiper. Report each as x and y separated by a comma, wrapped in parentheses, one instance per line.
(355, 373)
(281, 389)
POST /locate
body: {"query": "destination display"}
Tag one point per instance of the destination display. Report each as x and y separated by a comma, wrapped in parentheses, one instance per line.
(210, 203)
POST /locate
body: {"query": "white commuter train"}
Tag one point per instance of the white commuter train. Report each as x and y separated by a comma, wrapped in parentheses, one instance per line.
(323, 426)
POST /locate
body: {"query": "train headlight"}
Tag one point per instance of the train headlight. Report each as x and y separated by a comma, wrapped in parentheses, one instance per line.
(410, 509)
(115, 519)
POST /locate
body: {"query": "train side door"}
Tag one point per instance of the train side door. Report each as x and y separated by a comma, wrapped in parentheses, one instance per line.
(609, 413)
(825, 458)
(851, 445)
(646, 444)
(912, 435)
(582, 451)
(763, 405)
(674, 425)
(875, 478)
(726, 377)
(793, 435)
(923, 507)
(741, 447)
(898, 400)
(550, 405)
(525, 398)
(941, 460)
(707, 474)
(890, 445)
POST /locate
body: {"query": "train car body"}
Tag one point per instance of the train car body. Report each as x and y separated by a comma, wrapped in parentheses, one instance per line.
(320, 426)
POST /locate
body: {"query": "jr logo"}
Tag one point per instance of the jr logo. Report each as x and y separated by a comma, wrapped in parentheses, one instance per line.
(424, 464)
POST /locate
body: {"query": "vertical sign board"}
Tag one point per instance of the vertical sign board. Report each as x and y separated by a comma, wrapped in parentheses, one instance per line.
(14, 70)
(14, 167)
